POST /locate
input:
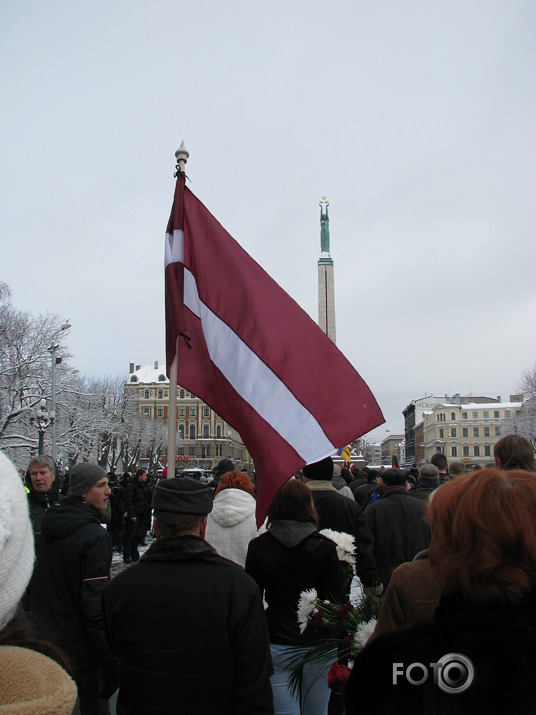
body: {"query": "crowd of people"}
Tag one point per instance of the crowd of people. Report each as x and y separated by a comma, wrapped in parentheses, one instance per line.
(206, 619)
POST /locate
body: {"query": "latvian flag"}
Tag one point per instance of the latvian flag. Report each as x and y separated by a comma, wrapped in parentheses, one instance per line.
(253, 355)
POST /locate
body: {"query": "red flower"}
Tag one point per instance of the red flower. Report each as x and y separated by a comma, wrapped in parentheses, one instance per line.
(344, 610)
(338, 677)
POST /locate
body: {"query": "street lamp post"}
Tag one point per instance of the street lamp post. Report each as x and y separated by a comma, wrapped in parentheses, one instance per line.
(55, 361)
(42, 420)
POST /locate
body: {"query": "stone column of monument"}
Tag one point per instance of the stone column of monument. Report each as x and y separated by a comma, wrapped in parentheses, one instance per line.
(326, 281)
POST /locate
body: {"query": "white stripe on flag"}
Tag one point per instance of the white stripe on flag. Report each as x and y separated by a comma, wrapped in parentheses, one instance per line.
(256, 383)
(174, 250)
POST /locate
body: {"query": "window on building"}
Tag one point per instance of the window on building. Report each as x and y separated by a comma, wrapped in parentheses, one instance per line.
(465, 432)
(206, 411)
(465, 450)
(206, 431)
(181, 411)
(486, 431)
(192, 411)
(161, 378)
(476, 450)
(441, 433)
(475, 415)
(146, 394)
(160, 394)
(191, 451)
(476, 432)
(485, 415)
(208, 450)
(438, 450)
(134, 378)
(203, 451)
(464, 415)
(498, 431)
(496, 415)
(454, 451)
(453, 432)
(145, 410)
(180, 451)
(507, 414)
(181, 394)
(487, 450)
(181, 431)
(192, 431)
(160, 411)
(218, 432)
(452, 416)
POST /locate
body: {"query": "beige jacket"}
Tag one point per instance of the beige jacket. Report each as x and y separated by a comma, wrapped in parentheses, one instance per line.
(33, 684)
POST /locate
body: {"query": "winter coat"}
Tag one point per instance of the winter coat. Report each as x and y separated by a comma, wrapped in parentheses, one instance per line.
(364, 492)
(499, 641)
(231, 524)
(33, 684)
(397, 530)
(136, 500)
(40, 502)
(289, 558)
(341, 514)
(340, 485)
(424, 488)
(189, 630)
(73, 559)
(412, 595)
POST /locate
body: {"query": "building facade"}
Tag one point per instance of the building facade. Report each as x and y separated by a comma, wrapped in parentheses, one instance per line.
(462, 428)
(203, 437)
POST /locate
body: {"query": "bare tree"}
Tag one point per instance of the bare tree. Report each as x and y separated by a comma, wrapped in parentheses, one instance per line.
(25, 372)
(527, 382)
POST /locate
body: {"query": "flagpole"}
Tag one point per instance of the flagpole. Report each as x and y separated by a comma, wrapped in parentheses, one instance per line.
(182, 157)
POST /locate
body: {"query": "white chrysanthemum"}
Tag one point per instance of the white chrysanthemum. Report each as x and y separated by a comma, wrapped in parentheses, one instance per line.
(345, 544)
(363, 633)
(306, 606)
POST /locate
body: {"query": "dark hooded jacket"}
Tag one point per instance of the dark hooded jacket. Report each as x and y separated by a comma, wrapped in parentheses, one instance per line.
(188, 628)
(72, 568)
(499, 642)
(289, 558)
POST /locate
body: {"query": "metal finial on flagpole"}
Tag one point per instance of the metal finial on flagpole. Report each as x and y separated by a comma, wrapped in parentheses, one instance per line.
(181, 155)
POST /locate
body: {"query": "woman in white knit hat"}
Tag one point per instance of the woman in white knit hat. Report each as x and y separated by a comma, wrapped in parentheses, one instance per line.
(31, 683)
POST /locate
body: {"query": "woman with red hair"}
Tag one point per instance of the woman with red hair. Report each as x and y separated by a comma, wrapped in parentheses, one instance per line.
(478, 652)
(231, 524)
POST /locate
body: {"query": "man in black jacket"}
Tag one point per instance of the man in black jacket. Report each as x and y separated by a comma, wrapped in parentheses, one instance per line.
(187, 625)
(339, 513)
(396, 524)
(72, 568)
(137, 510)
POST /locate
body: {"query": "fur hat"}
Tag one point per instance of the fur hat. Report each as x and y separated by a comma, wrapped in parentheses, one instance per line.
(224, 466)
(183, 496)
(16, 540)
(319, 470)
(83, 476)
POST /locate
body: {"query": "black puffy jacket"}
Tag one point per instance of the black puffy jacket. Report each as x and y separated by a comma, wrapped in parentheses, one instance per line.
(72, 568)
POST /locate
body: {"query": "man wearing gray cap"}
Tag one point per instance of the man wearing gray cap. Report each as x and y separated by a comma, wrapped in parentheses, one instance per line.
(187, 625)
(72, 568)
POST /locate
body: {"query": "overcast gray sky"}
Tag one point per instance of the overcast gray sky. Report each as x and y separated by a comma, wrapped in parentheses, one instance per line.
(416, 119)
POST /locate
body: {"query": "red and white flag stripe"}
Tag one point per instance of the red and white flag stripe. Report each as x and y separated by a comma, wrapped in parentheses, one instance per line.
(252, 354)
